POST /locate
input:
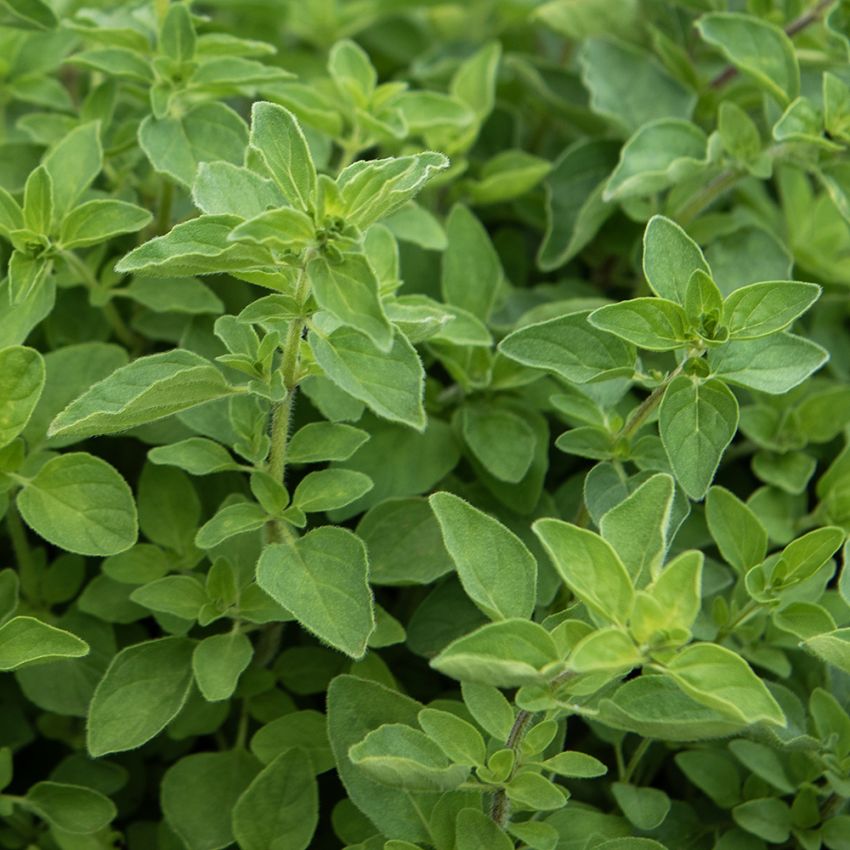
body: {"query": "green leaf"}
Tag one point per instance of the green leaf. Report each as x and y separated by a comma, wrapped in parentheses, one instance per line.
(405, 543)
(198, 794)
(533, 791)
(22, 377)
(147, 389)
(655, 707)
(222, 188)
(803, 557)
(605, 650)
(282, 803)
(714, 772)
(395, 754)
(768, 818)
(372, 190)
(356, 707)
(320, 441)
(790, 471)
(630, 844)
(38, 202)
(474, 84)
(195, 455)
(351, 69)
(758, 48)
(763, 761)
(697, 421)
(740, 135)
(589, 567)
(186, 295)
(472, 276)
(646, 808)
(737, 531)
(349, 291)
(286, 230)
(143, 689)
(570, 347)
(322, 579)
(678, 590)
(230, 520)
(835, 832)
(652, 323)
(218, 661)
(703, 303)
(118, 62)
(73, 165)
(180, 596)
(79, 502)
(390, 383)
(764, 308)
(496, 569)
(508, 175)
(574, 207)
(26, 640)
(277, 137)
(491, 711)
(629, 87)
(11, 214)
(177, 34)
(637, 528)
(100, 220)
(773, 364)
(721, 679)
(501, 440)
(670, 257)
(505, 654)
(306, 730)
(460, 741)
(26, 279)
(476, 831)
(199, 246)
(659, 154)
(575, 765)
(205, 133)
(70, 808)
(33, 13)
(833, 647)
(329, 489)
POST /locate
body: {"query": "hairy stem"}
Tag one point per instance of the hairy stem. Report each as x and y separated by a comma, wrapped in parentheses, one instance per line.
(500, 808)
(289, 370)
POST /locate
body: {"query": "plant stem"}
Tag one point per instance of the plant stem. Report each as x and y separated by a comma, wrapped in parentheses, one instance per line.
(710, 192)
(289, 370)
(634, 761)
(166, 204)
(746, 613)
(500, 808)
(110, 311)
(26, 566)
(641, 413)
(242, 726)
(796, 26)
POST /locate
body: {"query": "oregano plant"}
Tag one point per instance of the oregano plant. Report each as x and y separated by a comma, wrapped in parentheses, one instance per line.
(424, 426)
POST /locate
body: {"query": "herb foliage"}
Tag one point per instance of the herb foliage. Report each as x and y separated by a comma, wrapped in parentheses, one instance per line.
(424, 425)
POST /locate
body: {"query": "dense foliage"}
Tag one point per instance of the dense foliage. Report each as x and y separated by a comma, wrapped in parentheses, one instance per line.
(423, 424)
